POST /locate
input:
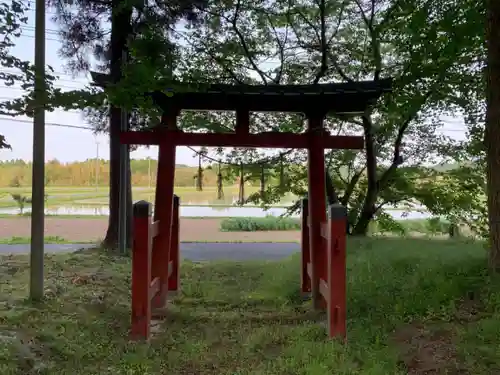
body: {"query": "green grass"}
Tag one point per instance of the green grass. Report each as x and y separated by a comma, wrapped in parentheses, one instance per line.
(92, 197)
(254, 224)
(429, 226)
(410, 304)
(48, 240)
(424, 226)
(78, 196)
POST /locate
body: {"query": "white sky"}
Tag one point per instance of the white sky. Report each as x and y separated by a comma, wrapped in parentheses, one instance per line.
(66, 144)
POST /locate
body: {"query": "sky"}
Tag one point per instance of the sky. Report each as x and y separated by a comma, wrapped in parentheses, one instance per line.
(71, 144)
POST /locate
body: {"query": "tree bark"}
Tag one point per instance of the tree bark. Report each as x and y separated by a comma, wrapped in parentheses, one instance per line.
(120, 29)
(492, 131)
(111, 239)
(331, 194)
(333, 198)
(368, 210)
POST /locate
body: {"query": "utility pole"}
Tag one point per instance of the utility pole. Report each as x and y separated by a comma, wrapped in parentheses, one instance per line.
(123, 175)
(38, 173)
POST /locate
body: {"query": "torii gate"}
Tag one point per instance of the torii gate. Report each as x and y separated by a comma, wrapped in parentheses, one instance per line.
(156, 243)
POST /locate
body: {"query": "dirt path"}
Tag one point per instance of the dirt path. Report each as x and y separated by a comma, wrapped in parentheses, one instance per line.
(94, 230)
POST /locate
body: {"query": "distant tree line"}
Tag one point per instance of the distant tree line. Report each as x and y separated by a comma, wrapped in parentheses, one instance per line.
(93, 172)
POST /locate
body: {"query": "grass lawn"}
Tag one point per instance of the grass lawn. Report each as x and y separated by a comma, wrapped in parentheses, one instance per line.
(415, 306)
(47, 240)
(78, 196)
(26, 240)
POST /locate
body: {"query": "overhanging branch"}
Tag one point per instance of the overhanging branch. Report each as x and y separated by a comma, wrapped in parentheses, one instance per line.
(375, 42)
(397, 158)
(323, 44)
(243, 43)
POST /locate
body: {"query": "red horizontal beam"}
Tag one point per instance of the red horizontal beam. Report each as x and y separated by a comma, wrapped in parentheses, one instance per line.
(262, 140)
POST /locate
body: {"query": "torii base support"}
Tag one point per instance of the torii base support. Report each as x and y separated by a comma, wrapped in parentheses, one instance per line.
(332, 275)
(146, 285)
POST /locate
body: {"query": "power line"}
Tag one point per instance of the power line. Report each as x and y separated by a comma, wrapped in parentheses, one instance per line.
(48, 123)
(54, 72)
(33, 37)
(56, 85)
(32, 28)
(62, 86)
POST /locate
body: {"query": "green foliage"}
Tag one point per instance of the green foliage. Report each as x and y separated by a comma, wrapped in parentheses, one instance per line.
(430, 226)
(433, 50)
(383, 224)
(12, 17)
(386, 224)
(150, 54)
(339, 41)
(21, 201)
(253, 224)
(17, 72)
(436, 225)
(459, 196)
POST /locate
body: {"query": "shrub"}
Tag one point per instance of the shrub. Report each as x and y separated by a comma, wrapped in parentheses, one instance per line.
(254, 224)
(432, 225)
(429, 226)
(436, 225)
(21, 201)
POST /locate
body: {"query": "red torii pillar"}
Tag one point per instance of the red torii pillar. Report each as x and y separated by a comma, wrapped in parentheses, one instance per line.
(164, 196)
(317, 203)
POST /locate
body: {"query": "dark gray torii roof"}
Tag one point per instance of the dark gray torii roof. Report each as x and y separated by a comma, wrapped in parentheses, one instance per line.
(340, 98)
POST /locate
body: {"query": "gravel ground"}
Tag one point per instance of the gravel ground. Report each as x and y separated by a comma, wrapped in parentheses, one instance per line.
(94, 229)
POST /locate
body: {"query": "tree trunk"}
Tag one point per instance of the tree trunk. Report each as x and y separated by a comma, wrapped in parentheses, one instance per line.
(492, 131)
(368, 210)
(333, 198)
(111, 239)
(120, 29)
(331, 194)
(366, 215)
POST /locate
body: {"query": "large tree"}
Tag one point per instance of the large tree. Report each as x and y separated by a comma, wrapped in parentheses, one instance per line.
(492, 133)
(430, 48)
(108, 31)
(426, 46)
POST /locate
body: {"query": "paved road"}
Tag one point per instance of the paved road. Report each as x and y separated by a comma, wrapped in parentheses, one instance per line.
(192, 251)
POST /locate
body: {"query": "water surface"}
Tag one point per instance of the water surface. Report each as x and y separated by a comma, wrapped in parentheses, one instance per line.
(202, 211)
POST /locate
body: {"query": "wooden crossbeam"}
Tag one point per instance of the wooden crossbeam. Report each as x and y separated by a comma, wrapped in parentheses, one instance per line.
(262, 140)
